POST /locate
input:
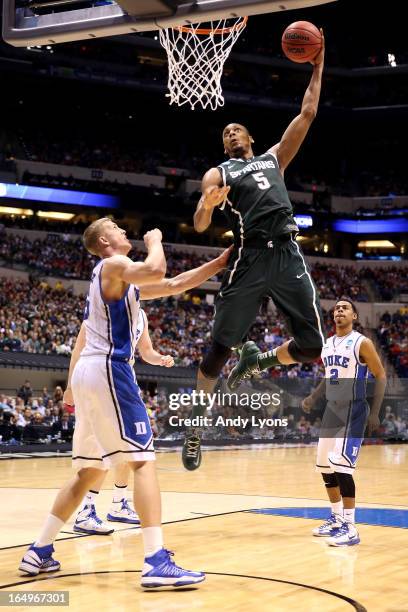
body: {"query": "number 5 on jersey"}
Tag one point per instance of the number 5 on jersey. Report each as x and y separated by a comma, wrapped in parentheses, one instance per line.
(262, 181)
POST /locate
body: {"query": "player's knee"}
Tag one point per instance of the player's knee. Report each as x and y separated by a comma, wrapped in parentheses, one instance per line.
(90, 473)
(215, 360)
(304, 355)
(330, 480)
(346, 484)
(137, 465)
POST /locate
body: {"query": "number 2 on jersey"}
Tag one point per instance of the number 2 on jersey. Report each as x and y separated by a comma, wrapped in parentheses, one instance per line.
(261, 179)
(334, 376)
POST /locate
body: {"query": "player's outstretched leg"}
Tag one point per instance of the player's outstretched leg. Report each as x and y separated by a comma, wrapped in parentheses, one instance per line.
(247, 365)
(38, 558)
(159, 568)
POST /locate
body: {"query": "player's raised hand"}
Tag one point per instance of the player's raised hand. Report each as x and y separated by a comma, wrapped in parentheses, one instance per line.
(222, 259)
(167, 361)
(214, 196)
(319, 59)
(152, 236)
(307, 404)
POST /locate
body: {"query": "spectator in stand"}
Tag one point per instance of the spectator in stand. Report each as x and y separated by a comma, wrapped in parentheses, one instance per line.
(37, 430)
(63, 428)
(45, 396)
(392, 333)
(25, 392)
(58, 395)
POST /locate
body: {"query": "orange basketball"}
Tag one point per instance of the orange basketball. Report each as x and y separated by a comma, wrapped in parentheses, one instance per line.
(301, 41)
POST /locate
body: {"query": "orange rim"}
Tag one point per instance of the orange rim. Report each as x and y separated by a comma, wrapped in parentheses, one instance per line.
(207, 31)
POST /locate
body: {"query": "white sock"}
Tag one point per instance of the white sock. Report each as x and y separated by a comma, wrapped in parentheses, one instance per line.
(119, 493)
(89, 498)
(152, 540)
(349, 515)
(50, 530)
(337, 508)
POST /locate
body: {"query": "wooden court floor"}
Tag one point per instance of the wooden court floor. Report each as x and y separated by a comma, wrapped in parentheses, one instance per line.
(264, 560)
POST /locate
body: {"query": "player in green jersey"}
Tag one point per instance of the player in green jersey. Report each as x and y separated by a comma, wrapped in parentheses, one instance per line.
(266, 260)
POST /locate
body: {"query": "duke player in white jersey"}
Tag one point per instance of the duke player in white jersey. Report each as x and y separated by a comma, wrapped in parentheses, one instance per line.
(121, 511)
(112, 424)
(347, 357)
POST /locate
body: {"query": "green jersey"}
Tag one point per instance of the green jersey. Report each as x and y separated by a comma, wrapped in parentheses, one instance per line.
(258, 205)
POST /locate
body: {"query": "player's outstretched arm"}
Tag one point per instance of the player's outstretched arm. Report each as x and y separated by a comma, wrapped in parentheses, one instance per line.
(186, 280)
(148, 353)
(79, 345)
(153, 268)
(213, 194)
(369, 356)
(296, 132)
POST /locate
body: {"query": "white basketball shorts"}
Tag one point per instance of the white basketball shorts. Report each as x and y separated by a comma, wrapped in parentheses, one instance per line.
(112, 425)
(341, 438)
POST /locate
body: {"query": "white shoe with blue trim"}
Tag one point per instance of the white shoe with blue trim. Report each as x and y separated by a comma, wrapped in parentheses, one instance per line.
(327, 528)
(38, 559)
(346, 535)
(160, 570)
(89, 522)
(122, 512)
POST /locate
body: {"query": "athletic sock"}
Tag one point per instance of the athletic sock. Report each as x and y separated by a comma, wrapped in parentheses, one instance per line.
(50, 530)
(89, 498)
(152, 540)
(349, 515)
(119, 493)
(268, 359)
(337, 508)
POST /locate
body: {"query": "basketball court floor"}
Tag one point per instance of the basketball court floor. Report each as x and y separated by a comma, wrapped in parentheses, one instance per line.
(245, 517)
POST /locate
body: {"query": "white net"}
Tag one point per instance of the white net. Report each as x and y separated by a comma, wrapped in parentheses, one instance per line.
(196, 58)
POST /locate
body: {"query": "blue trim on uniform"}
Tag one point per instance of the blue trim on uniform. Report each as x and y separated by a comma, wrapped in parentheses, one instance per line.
(121, 331)
(119, 325)
(384, 517)
(132, 338)
(132, 414)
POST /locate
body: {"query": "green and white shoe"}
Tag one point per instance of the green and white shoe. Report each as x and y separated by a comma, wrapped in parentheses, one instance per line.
(247, 365)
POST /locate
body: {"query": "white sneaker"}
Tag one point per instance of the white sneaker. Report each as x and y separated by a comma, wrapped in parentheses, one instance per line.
(87, 521)
(346, 535)
(327, 528)
(122, 512)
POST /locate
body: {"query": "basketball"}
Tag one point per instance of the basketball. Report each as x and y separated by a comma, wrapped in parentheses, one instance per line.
(301, 41)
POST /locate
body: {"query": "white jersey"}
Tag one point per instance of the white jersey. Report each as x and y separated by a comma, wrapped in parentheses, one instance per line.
(111, 327)
(141, 322)
(346, 375)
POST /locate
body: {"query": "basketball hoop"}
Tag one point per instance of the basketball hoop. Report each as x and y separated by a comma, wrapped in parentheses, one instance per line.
(196, 59)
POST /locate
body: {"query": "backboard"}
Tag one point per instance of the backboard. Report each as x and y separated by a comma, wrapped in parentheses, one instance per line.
(46, 22)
